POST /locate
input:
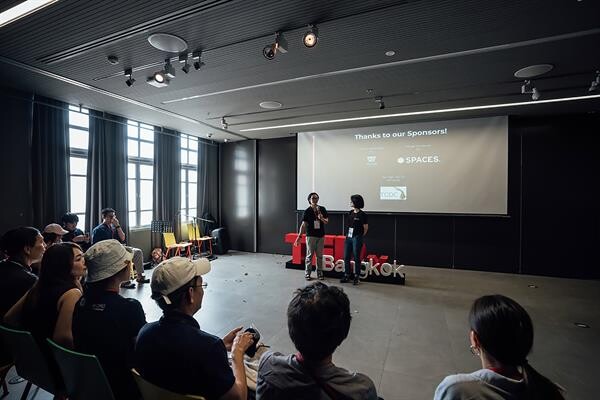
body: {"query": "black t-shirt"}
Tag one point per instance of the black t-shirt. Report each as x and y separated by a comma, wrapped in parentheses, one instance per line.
(310, 217)
(15, 281)
(106, 324)
(174, 353)
(356, 221)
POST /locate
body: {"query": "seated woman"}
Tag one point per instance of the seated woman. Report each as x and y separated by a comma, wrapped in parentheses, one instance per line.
(501, 336)
(318, 322)
(47, 309)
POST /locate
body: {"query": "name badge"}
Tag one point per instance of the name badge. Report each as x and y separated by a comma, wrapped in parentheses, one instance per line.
(350, 231)
(317, 224)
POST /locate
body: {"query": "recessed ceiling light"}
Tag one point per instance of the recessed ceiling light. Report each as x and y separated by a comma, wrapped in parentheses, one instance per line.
(167, 42)
(23, 9)
(390, 53)
(270, 105)
(532, 71)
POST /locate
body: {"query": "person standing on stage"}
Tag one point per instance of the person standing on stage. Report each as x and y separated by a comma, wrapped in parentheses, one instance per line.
(313, 223)
(357, 227)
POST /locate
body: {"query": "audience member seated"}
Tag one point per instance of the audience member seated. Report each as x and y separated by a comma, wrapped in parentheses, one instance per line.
(74, 234)
(174, 353)
(501, 336)
(22, 246)
(110, 228)
(53, 234)
(46, 310)
(106, 324)
(318, 322)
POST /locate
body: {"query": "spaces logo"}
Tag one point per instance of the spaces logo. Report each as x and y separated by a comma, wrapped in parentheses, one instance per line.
(429, 159)
(392, 192)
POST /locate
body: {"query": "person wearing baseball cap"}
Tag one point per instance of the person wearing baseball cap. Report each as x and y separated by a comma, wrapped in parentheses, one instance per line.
(201, 367)
(105, 323)
(53, 233)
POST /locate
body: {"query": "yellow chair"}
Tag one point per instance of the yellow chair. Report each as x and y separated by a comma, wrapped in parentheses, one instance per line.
(196, 237)
(171, 244)
(152, 392)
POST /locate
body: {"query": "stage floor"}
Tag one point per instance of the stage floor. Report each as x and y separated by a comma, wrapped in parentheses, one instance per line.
(406, 338)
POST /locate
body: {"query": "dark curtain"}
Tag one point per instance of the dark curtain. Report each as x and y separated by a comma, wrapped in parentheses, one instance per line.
(49, 161)
(167, 176)
(208, 185)
(107, 169)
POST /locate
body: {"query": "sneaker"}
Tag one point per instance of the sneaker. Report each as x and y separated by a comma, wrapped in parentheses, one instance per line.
(143, 280)
(307, 277)
(344, 279)
(355, 280)
(128, 285)
(320, 275)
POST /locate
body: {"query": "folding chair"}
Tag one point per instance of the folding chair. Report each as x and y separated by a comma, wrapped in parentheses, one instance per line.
(152, 392)
(83, 375)
(29, 360)
(196, 237)
(171, 244)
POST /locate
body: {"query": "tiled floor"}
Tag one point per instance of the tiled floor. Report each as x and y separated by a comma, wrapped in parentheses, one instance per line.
(407, 338)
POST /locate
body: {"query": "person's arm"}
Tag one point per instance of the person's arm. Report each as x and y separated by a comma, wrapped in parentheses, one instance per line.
(228, 339)
(63, 332)
(239, 390)
(365, 229)
(302, 230)
(13, 317)
(323, 216)
(119, 230)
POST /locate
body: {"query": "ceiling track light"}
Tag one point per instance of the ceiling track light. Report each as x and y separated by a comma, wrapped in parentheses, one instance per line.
(129, 74)
(197, 57)
(224, 123)
(311, 37)
(595, 83)
(526, 87)
(535, 94)
(280, 45)
(158, 79)
(379, 100)
(169, 71)
(183, 59)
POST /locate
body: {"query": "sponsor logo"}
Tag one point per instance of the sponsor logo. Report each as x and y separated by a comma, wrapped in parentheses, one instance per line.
(392, 192)
(431, 159)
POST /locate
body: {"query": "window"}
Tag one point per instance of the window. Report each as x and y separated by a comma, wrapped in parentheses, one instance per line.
(79, 133)
(189, 177)
(140, 173)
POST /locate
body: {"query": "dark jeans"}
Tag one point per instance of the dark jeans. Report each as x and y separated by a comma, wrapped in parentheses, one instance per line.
(352, 246)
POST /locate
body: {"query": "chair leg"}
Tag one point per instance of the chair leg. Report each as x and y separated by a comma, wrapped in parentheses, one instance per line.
(26, 391)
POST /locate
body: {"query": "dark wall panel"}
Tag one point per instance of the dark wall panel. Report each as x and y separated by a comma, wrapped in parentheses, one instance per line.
(238, 193)
(561, 216)
(424, 240)
(276, 173)
(16, 114)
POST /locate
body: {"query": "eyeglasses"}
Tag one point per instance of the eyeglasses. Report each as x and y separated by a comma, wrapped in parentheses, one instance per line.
(203, 285)
(315, 197)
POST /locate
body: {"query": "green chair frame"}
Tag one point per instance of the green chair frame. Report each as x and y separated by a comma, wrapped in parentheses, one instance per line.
(152, 392)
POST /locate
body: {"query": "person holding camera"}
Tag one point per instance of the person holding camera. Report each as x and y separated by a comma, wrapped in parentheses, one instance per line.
(74, 234)
(314, 220)
(201, 367)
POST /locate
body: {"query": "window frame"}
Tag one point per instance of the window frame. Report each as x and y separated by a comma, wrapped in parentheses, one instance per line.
(139, 161)
(81, 154)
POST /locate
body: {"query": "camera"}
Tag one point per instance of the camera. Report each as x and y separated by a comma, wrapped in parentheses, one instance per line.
(251, 351)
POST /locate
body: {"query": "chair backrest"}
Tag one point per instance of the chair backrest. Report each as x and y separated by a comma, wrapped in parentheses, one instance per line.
(29, 359)
(169, 238)
(191, 235)
(152, 392)
(83, 375)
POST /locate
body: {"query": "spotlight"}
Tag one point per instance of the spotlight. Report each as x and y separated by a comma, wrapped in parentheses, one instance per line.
(526, 87)
(183, 58)
(595, 83)
(209, 135)
(535, 94)
(112, 59)
(197, 57)
(169, 71)
(280, 45)
(224, 123)
(226, 140)
(311, 37)
(158, 79)
(379, 100)
(128, 73)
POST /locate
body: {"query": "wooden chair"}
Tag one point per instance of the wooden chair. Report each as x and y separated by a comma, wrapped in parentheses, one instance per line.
(29, 360)
(171, 244)
(152, 392)
(83, 375)
(196, 237)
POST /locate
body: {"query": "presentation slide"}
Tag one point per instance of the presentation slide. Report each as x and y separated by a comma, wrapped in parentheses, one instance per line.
(450, 167)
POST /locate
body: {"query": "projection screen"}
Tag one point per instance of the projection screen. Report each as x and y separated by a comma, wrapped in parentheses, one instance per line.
(456, 167)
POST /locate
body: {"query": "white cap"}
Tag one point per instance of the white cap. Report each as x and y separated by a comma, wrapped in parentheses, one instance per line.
(55, 228)
(174, 273)
(105, 259)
